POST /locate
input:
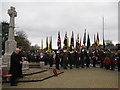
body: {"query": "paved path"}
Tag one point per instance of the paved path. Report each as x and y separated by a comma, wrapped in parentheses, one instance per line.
(76, 78)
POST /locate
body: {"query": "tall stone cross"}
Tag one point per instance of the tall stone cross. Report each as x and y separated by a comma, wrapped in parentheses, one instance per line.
(12, 13)
(10, 44)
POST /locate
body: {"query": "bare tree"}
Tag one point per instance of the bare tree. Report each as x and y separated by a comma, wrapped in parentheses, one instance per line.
(21, 38)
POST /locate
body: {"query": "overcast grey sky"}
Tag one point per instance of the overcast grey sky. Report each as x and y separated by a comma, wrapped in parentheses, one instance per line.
(42, 19)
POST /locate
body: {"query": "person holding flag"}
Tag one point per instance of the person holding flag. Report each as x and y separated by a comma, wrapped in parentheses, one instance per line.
(71, 53)
(88, 52)
(94, 53)
(51, 53)
(57, 58)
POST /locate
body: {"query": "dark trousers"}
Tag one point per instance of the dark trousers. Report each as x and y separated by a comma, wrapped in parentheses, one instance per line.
(87, 62)
(107, 66)
(14, 80)
(64, 64)
(118, 67)
(118, 64)
(46, 60)
(94, 62)
(57, 65)
(101, 63)
(71, 62)
(82, 62)
(61, 63)
(77, 63)
(51, 62)
(20, 71)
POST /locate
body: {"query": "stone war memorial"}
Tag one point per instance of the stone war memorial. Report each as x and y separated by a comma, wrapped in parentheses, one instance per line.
(68, 58)
(10, 44)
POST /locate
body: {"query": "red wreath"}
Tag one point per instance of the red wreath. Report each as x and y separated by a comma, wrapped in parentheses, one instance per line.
(54, 71)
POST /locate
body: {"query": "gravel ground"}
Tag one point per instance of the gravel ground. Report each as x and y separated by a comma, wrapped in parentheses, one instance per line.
(33, 70)
(37, 76)
(75, 78)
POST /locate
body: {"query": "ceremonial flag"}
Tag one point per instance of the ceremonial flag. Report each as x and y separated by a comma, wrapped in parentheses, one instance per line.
(88, 42)
(77, 43)
(94, 40)
(42, 44)
(95, 51)
(84, 39)
(49, 48)
(72, 40)
(51, 42)
(80, 42)
(103, 43)
(65, 41)
(97, 41)
(67, 44)
(98, 38)
(46, 43)
(59, 41)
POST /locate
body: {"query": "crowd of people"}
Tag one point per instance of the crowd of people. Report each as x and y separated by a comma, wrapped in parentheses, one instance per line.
(65, 59)
(68, 59)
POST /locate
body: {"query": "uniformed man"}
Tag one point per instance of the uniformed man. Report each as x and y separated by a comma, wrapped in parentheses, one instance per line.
(76, 58)
(57, 58)
(61, 58)
(65, 58)
(94, 58)
(45, 57)
(82, 58)
(112, 58)
(52, 57)
(70, 58)
(87, 58)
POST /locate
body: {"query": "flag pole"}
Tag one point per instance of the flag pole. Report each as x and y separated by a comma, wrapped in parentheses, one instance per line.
(103, 27)
(94, 46)
(103, 34)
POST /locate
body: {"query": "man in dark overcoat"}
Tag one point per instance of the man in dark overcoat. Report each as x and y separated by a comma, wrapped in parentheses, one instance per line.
(14, 67)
